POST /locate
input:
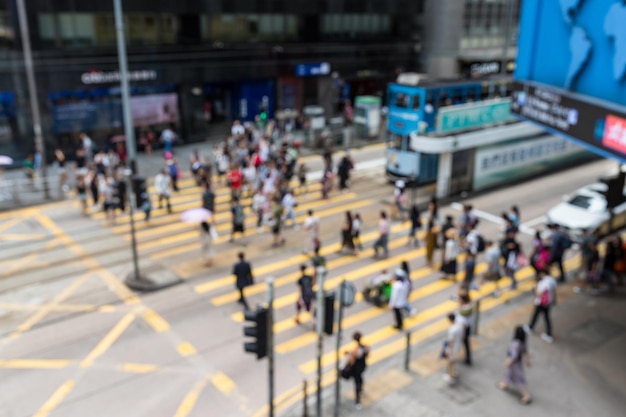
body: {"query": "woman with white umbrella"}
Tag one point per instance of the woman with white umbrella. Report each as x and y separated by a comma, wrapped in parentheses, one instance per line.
(207, 231)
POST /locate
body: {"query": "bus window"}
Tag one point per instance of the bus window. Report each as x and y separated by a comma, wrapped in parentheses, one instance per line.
(402, 100)
(416, 102)
(394, 141)
(398, 140)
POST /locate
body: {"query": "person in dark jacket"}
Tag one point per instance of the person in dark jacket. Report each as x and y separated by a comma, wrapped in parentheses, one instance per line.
(343, 172)
(243, 274)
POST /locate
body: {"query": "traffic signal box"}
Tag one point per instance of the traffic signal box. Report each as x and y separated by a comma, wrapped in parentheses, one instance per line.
(329, 313)
(258, 331)
(615, 193)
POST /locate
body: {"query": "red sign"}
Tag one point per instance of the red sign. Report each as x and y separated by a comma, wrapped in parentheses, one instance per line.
(615, 133)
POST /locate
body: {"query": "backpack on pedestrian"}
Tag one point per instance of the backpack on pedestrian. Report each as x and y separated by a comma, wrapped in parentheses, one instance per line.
(480, 243)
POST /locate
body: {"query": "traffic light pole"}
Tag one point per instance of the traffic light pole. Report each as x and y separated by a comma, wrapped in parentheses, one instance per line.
(319, 313)
(270, 343)
(338, 348)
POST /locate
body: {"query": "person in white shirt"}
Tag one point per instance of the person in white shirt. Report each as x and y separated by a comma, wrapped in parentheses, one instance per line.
(399, 297)
(167, 137)
(162, 185)
(237, 129)
(471, 239)
(452, 346)
(356, 231)
(87, 146)
(259, 202)
(545, 292)
(312, 227)
(288, 203)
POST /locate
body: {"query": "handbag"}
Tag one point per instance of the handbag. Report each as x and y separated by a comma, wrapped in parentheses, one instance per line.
(213, 232)
(346, 372)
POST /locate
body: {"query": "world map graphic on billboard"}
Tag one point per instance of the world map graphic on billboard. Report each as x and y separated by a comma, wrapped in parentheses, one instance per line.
(578, 45)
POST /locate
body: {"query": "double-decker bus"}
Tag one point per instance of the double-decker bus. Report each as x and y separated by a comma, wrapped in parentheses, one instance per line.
(414, 105)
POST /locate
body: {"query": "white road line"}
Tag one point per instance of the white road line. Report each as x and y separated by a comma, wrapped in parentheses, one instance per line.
(494, 219)
(373, 163)
(534, 222)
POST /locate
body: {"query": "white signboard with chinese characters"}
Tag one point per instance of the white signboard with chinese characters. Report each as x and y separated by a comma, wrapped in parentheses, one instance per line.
(511, 161)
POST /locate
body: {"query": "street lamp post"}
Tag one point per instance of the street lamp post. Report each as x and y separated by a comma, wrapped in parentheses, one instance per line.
(128, 130)
(32, 92)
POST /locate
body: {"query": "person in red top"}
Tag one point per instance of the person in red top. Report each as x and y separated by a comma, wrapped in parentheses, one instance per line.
(235, 180)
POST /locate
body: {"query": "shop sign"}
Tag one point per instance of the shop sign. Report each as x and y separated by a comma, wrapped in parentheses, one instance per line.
(311, 70)
(474, 115)
(100, 77)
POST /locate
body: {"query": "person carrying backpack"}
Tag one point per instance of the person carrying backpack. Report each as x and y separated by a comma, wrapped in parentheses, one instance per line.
(305, 283)
(560, 242)
(544, 295)
(357, 362)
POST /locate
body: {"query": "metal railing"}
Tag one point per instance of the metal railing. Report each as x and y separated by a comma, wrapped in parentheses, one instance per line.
(23, 192)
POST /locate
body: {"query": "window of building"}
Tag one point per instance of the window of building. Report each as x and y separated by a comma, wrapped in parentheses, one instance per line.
(6, 29)
(249, 27)
(355, 24)
(80, 29)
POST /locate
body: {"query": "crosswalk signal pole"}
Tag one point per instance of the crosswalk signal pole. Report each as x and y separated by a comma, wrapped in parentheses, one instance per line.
(319, 313)
(270, 342)
(338, 348)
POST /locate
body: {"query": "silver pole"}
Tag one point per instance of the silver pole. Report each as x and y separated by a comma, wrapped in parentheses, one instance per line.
(132, 198)
(338, 348)
(129, 132)
(128, 127)
(32, 92)
(507, 35)
(270, 342)
(319, 313)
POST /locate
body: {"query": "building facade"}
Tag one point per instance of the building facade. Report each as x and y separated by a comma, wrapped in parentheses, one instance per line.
(201, 64)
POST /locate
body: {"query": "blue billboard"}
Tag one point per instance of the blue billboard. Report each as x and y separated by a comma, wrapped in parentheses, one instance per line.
(571, 71)
(578, 45)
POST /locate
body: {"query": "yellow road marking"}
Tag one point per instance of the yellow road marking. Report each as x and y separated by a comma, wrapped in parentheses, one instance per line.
(226, 226)
(138, 368)
(108, 340)
(223, 383)
(46, 309)
(293, 277)
(55, 399)
(166, 253)
(55, 308)
(35, 363)
(174, 224)
(10, 223)
(107, 308)
(155, 321)
(294, 260)
(188, 403)
(120, 289)
(186, 349)
(294, 394)
(14, 236)
(367, 314)
(19, 263)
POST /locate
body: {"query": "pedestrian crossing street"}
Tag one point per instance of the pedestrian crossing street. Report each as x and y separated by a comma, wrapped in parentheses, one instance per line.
(176, 245)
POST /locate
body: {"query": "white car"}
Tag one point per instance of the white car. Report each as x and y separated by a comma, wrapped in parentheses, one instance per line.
(586, 209)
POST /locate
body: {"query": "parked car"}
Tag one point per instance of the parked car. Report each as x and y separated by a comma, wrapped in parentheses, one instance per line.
(587, 209)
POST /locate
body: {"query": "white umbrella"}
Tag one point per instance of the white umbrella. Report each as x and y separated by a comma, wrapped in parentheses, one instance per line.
(6, 160)
(195, 215)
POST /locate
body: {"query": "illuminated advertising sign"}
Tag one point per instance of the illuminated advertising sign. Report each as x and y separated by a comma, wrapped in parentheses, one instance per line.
(598, 126)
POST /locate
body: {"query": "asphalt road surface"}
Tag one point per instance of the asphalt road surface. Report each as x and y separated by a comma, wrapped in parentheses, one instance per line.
(75, 341)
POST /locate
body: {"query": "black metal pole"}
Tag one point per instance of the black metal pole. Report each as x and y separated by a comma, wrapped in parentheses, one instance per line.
(338, 348)
(270, 344)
